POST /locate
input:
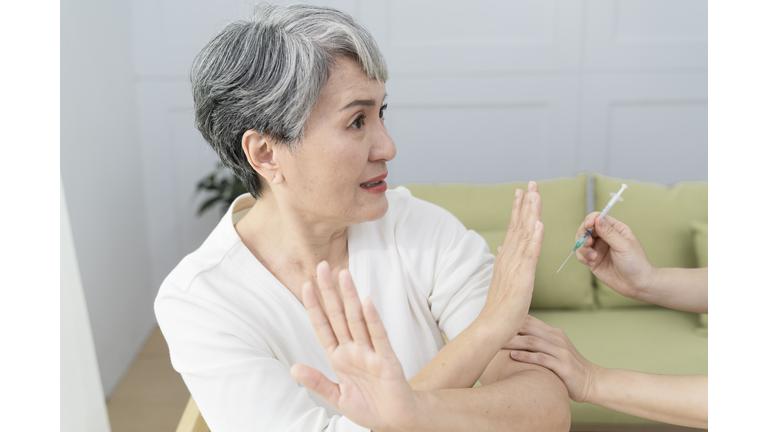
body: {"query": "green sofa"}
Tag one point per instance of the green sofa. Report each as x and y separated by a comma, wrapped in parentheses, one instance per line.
(610, 330)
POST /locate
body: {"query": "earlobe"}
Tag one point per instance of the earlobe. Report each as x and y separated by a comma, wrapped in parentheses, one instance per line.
(278, 178)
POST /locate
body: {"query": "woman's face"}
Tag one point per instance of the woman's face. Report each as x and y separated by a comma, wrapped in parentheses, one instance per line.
(337, 173)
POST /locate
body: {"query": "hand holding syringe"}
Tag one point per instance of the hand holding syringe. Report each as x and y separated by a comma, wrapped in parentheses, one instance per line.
(616, 197)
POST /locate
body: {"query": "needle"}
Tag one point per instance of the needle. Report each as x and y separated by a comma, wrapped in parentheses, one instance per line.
(566, 260)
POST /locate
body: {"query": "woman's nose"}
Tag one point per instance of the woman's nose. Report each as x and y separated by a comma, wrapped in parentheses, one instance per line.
(384, 148)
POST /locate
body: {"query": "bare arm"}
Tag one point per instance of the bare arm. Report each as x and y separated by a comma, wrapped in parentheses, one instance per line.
(512, 398)
(461, 362)
(676, 399)
(677, 288)
(372, 390)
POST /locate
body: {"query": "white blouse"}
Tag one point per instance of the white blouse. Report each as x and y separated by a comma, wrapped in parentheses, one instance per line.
(234, 330)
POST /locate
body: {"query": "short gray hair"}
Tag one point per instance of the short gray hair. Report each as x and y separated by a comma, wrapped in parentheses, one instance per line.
(266, 74)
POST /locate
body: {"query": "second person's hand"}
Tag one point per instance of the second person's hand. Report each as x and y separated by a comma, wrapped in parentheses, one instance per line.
(539, 343)
(614, 255)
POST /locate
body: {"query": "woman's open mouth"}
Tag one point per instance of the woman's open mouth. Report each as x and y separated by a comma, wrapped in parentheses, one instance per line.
(376, 184)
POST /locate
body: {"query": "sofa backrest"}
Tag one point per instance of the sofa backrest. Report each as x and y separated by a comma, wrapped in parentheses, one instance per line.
(661, 217)
(486, 209)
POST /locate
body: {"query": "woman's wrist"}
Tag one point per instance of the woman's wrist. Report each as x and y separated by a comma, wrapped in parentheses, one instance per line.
(421, 415)
(494, 331)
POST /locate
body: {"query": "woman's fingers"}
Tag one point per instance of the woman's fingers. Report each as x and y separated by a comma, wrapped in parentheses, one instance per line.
(314, 380)
(533, 200)
(514, 218)
(526, 210)
(317, 317)
(334, 307)
(354, 311)
(534, 248)
(534, 344)
(376, 329)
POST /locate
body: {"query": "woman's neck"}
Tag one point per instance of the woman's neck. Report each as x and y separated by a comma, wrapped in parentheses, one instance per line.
(289, 244)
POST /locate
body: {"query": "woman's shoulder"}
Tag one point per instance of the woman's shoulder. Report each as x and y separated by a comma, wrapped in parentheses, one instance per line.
(414, 219)
(402, 204)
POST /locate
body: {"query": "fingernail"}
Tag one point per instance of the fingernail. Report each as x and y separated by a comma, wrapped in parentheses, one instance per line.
(517, 193)
(538, 225)
(592, 255)
(530, 185)
(591, 263)
(602, 222)
(514, 353)
(533, 197)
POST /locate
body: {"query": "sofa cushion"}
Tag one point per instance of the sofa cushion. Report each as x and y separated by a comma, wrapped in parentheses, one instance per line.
(646, 339)
(700, 243)
(486, 209)
(660, 217)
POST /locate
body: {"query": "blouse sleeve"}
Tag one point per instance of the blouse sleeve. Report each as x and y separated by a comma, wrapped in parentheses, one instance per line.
(453, 264)
(234, 377)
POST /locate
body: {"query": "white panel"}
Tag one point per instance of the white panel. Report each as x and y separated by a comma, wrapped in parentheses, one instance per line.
(194, 160)
(661, 142)
(175, 157)
(645, 34)
(82, 396)
(450, 23)
(451, 144)
(642, 21)
(478, 37)
(482, 131)
(168, 34)
(645, 127)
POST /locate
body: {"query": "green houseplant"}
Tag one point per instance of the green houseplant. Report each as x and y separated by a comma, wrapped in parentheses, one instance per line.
(223, 188)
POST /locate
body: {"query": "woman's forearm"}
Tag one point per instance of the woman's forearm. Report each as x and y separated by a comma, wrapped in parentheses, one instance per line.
(675, 399)
(677, 288)
(529, 400)
(461, 361)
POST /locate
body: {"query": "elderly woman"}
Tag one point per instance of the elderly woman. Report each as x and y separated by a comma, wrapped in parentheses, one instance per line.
(269, 306)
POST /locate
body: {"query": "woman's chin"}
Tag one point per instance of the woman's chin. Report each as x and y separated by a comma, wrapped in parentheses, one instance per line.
(376, 210)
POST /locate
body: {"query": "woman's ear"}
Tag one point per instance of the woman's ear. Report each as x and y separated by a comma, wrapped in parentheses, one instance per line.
(261, 155)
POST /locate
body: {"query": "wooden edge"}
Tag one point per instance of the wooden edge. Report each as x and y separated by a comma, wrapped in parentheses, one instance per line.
(616, 427)
(191, 419)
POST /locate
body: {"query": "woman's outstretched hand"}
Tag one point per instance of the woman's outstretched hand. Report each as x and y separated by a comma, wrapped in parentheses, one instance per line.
(372, 389)
(509, 295)
(539, 343)
(614, 255)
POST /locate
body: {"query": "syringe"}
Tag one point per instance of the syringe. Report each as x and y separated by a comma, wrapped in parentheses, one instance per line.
(616, 197)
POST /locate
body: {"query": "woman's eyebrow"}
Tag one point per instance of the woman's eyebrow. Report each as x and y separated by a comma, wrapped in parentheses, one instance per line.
(361, 102)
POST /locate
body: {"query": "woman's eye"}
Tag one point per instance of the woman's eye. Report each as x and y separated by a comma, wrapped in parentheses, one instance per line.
(381, 111)
(358, 123)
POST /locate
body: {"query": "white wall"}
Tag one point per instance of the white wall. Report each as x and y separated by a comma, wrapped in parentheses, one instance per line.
(101, 171)
(82, 396)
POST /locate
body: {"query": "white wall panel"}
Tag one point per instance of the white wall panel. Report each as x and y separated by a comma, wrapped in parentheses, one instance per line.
(439, 37)
(482, 131)
(645, 34)
(168, 34)
(175, 158)
(645, 127)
